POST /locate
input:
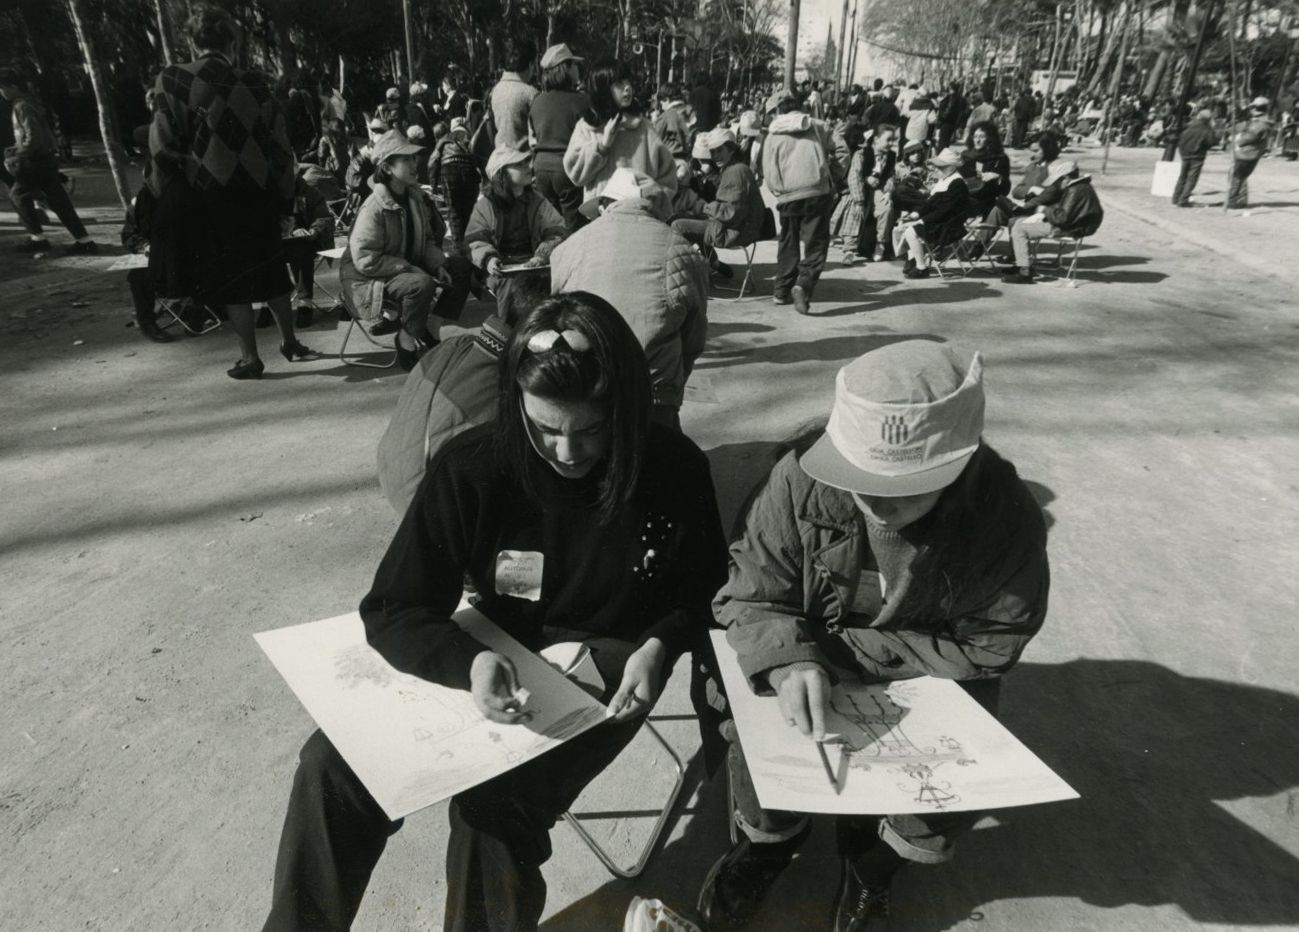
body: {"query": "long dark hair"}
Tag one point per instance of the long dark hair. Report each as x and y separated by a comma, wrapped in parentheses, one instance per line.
(599, 89)
(613, 374)
(983, 514)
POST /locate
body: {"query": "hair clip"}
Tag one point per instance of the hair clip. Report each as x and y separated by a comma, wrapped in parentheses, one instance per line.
(544, 341)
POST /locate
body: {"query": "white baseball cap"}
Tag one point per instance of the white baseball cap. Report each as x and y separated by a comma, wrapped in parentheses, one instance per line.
(906, 419)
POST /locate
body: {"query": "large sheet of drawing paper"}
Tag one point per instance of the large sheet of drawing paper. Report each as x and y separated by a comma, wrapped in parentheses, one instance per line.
(919, 745)
(414, 743)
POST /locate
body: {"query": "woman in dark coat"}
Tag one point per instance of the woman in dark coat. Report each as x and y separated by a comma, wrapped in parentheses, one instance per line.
(987, 167)
(940, 219)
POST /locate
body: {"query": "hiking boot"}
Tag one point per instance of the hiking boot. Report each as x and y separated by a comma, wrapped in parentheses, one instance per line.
(860, 907)
(802, 302)
(33, 245)
(735, 885)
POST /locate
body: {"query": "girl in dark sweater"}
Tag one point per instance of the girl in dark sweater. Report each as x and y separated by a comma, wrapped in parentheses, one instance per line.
(551, 118)
(620, 521)
(893, 544)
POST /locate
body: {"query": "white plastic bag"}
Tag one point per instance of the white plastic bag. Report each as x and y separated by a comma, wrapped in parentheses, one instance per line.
(654, 916)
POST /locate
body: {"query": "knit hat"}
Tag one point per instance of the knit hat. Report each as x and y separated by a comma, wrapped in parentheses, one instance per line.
(906, 419)
(415, 133)
(391, 144)
(505, 157)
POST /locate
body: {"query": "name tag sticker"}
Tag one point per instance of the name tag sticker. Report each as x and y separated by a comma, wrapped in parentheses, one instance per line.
(518, 574)
(868, 599)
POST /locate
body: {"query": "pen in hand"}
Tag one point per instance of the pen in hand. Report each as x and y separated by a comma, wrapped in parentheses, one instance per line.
(825, 762)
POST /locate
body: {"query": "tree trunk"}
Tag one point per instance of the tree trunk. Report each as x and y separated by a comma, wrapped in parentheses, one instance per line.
(1156, 76)
(791, 43)
(1111, 49)
(164, 35)
(107, 124)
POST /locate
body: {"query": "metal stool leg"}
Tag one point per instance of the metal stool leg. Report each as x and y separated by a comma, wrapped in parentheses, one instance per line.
(342, 350)
(659, 827)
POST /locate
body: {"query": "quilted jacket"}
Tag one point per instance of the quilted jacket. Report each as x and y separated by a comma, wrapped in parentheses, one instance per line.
(793, 580)
(653, 276)
(1079, 211)
(735, 214)
(376, 248)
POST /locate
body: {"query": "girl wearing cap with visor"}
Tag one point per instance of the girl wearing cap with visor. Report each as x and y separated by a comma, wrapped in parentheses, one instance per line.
(893, 544)
(576, 520)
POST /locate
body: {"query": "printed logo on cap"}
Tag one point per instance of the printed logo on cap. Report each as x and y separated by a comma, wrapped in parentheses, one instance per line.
(893, 430)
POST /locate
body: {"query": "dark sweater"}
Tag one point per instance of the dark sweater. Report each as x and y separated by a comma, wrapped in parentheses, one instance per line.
(597, 581)
(553, 116)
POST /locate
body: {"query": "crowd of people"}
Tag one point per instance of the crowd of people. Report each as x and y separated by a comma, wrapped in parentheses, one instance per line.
(890, 541)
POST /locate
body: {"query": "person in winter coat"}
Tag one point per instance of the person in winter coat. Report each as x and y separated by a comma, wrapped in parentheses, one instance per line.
(1074, 211)
(940, 219)
(735, 215)
(1023, 112)
(878, 164)
(655, 278)
(575, 519)
(1032, 191)
(32, 164)
(953, 111)
(615, 134)
(1247, 146)
(554, 114)
(671, 123)
(987, 165)
(919, 554)
(393, 253)
(511, 224)
(798, 167)
(454, 172)
(312, 231)
(1193, 145)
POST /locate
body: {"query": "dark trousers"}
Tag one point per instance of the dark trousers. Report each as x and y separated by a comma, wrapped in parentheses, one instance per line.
(803, 244)
(40, 176)
(334, 832)
(301, 254)
(1018, 133)
(1238, 191)
(460, 186)
(926, 838)
(143, 295)
(1187, 179)
(555, 186)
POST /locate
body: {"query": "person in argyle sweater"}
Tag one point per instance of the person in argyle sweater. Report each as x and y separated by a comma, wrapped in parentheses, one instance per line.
(224, 170)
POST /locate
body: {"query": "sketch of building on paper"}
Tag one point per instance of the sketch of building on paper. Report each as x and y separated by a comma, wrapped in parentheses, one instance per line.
(918, 745)
(412, 742)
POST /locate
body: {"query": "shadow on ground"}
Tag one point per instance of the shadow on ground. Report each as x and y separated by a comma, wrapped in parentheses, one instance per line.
(1154, 755)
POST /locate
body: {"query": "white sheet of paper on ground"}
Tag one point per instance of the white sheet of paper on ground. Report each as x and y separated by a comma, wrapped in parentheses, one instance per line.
(920, 745)
(411, 742)
(130, 261)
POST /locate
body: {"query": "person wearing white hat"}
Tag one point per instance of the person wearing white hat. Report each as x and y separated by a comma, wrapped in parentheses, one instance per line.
(894, 543)
(734, 217)
(1025, 230)
(655, 278)
(511, 225)
(1248, 144)
(394, 252)
(940, 219)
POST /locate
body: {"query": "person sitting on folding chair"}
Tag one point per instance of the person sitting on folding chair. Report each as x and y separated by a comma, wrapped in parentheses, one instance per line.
(575, 519)
(393, 253)
(734, 218)
(511, 224)
(1076, 214)
(312, 231)
(940, 220)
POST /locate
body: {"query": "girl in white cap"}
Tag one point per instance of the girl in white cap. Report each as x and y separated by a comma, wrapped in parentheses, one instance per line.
(895, 543)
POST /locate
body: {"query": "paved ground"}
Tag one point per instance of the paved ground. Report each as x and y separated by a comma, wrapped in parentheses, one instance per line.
(157, 514)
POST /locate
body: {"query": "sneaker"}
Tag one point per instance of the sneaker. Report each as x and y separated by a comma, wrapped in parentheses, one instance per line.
(858, 907)
(88, 248)
(914, 272)
(781, 298)
(735, 885)
(33, 245)
(1018, 277)
(802, 301)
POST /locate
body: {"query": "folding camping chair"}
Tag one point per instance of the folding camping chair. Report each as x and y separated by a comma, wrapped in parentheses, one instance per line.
(1062, 242)
(660, 826)
(325, 259)
(355, 324)
(173, 308)
(767, 233)
(344, 211)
